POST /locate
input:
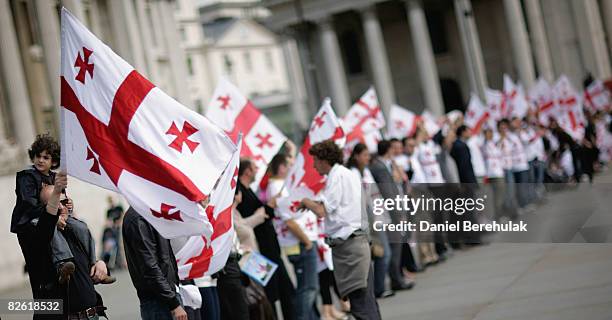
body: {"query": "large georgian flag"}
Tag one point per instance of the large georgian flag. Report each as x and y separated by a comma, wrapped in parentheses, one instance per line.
(234, 113)
(541, 96)
(569, 106)
(120, 132)
(206, 255)
(476, 114)
(597, 97)
(402, 122)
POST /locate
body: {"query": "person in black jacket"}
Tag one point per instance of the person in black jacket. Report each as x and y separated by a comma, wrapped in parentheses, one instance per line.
(280, 285)
(153, 269)
(461, 153)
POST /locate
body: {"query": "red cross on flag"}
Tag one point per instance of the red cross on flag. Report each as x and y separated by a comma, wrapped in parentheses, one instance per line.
(597, 97)
(541, 96)
(234, 113)
(402, 122)
(201, 255)
(569, 107)
(514, 104)
(476, 114)
(120, 132)
(324, 251)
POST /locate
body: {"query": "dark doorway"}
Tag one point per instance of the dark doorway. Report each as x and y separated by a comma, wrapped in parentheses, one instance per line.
(451, 95)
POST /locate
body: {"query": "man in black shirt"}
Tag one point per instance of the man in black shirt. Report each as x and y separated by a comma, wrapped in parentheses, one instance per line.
(153, 269)
(279, 286)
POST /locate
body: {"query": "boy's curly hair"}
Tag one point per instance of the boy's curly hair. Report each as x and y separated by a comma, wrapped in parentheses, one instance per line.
(327, 151)
(45, 142)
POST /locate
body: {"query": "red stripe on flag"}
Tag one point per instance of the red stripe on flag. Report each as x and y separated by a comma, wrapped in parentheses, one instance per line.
(116, 152)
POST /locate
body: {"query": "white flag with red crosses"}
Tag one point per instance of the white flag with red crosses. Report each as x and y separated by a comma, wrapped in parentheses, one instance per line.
(495, 102)
(569, 106)
(476, 115)
(402, 122)
(363, 121)
(514, 104)
(325, 126)
(541, 96)
(234, 113)
(597, 97)
(200, 255)
(120, 132)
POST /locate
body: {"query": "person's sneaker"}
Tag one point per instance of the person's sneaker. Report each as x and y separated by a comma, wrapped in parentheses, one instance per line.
(66, 269)
(107, 280)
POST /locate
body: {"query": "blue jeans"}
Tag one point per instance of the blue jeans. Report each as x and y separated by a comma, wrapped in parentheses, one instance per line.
(153, 309)
(522, 188)
(210, 309)
(305, 266)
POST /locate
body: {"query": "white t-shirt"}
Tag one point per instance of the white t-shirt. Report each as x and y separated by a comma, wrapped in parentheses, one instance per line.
(343, 204)
(493, 160)
(418, 176)
(426, 155)
(474, 144)
(519, 156)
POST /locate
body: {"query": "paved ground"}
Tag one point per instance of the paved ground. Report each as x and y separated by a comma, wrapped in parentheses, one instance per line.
(496, 281)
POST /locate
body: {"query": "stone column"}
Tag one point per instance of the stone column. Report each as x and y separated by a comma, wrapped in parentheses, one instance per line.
(425, 59)
(297, 86)
(520, 42)
(379, 62)
(50, 37)
(539, 41)
(176, 54)
(76, 8)
(14, 79)
(334, 67)
(147, 39)
(472, 50)
(592, 38)
(606, 13)
(127, 34)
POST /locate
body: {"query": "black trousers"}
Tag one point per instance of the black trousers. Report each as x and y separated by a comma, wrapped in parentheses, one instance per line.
(232, 296)
(363, 303)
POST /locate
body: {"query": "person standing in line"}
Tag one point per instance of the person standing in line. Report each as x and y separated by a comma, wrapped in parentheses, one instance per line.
(279, 287)
(346, 226)
(153, 270)
(300, 243)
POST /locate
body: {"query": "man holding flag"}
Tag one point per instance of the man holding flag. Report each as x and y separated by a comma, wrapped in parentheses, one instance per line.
(341, 205)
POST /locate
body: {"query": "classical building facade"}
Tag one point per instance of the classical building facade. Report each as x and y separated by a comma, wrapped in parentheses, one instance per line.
(430, 54)
(138, 30)
(224, 38)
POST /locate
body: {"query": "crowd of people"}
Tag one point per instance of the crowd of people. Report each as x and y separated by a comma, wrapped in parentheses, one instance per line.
(510, 161)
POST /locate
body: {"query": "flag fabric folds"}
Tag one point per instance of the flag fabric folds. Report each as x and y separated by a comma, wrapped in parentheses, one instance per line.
(120, 132)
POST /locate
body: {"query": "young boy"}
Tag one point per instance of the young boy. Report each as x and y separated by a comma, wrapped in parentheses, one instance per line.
(45, 156)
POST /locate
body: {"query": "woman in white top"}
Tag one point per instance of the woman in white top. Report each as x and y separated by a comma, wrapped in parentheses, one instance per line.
(494, 172)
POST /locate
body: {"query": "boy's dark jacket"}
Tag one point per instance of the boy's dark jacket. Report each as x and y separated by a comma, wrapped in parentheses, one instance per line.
(28, 206)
